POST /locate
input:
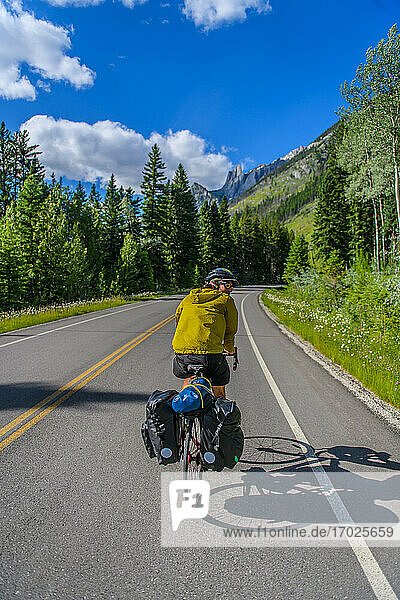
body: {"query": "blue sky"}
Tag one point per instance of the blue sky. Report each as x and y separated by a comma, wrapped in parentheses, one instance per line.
(213, 82)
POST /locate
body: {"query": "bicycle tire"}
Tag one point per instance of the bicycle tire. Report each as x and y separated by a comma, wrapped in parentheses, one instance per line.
(191, 462)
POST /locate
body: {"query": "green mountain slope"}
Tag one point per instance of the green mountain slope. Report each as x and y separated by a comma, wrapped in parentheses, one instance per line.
(303, 221)
(283, 193)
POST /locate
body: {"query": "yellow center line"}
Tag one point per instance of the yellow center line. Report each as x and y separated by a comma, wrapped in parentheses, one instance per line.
(76, 383)
(68, 385)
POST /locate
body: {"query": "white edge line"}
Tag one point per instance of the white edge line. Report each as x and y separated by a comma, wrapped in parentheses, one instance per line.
(381, 409)
(110, 308)
(31, 337)
(377, 580)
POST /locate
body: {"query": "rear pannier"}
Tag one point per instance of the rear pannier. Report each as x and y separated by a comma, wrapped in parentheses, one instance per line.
(160, 430)
(222, 439)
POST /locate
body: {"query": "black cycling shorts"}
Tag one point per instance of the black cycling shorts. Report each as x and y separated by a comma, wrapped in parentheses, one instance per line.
(215, 367)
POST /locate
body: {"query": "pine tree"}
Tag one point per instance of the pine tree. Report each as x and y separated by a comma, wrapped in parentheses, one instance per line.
(73, 206)
(131, 209)
(113, 229)
(153, 184)
(216, 229)
(25, 212)
(11, 266)
(277, 240)
(79, 279)
(362, 227)
(135, 273)
(183, 226)
(156, 251)
(332, 215)
(24, 161)
(94, 240)
(226, 247)
(95, 206)
(248, 238)
(51, 265)
(259, 265)
(197, 277)
(208, 238)
(297, 261)
(5, 168)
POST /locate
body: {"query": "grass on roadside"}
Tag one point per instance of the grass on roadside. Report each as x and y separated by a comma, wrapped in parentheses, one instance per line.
(362, 352)
(12, 320)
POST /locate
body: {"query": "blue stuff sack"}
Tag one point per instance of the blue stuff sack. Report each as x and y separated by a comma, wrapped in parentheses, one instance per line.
(198, 394)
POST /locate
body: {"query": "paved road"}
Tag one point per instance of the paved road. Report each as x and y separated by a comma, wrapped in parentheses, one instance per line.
(80, 499)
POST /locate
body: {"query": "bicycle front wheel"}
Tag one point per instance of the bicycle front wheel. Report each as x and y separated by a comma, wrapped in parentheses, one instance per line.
(191, 466)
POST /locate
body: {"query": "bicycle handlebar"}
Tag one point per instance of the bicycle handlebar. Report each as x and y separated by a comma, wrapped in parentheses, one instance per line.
(235, 358)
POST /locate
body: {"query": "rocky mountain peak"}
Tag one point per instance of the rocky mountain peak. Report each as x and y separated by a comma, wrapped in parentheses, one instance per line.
(234, 175)
(293, 153)
(238, 182)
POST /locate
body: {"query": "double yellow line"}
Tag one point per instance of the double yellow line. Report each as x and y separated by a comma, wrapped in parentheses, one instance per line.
(13, 430)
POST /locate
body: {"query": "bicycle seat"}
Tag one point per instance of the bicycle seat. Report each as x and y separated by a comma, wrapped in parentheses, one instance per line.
(196, 370)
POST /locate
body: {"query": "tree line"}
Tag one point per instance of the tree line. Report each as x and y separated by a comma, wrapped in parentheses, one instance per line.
(358, 208)
(59, 243)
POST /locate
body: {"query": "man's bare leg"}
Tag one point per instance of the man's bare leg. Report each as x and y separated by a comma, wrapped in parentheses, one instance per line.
(218, 391)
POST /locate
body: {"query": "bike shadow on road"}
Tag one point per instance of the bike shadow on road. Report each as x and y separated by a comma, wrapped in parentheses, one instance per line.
(281, 481)
(292, 498)
(280, 453)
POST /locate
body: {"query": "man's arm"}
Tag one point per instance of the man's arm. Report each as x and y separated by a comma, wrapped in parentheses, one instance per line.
(231, 325)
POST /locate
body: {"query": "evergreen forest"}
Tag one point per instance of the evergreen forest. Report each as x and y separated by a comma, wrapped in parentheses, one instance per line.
(344, 290)
(59, 244)
(358, 207)
(62, 244)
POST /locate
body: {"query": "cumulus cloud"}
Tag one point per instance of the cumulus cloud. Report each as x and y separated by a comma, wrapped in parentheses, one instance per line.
(86, 152)
(25, 40)
(127, 3)
(211, 14)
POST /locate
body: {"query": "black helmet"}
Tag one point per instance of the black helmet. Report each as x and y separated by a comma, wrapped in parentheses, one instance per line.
(219, 275)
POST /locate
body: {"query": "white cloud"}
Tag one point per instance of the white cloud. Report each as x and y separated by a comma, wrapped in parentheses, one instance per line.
(75, 2)
(25, 40)
(211, 14)
(85, 152)
(127, 3)
(226, 149)
(44, 85)
(132, 3)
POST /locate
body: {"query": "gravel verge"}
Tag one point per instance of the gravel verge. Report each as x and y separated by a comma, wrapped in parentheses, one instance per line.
(388, 413)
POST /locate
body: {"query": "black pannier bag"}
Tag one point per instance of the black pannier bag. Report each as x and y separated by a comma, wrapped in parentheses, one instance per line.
(147, 441)
(160, 431)
(222, 435)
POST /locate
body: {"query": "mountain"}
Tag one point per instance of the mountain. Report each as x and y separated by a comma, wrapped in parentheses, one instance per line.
(289, 194)
(238, 182)
(285, 190)
(282, 192)
(293, 153)
(201, 194)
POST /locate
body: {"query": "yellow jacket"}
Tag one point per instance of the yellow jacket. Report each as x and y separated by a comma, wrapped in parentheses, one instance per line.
(206, 323)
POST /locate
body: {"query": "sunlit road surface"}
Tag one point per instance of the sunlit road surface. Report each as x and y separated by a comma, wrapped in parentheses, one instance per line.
(80, 499)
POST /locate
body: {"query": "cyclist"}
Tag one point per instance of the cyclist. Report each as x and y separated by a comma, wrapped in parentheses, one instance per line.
(206, 324)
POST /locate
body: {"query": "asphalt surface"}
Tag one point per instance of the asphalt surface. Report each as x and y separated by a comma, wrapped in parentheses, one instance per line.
(80, 498)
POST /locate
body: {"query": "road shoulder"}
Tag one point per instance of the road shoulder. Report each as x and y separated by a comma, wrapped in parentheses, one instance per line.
(380, 408)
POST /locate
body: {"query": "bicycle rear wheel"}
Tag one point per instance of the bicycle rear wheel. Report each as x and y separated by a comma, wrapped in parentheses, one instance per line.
(191, 465)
